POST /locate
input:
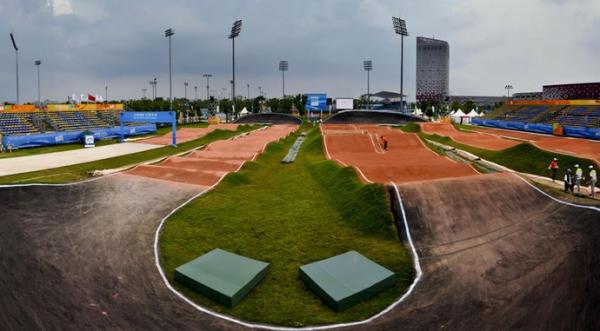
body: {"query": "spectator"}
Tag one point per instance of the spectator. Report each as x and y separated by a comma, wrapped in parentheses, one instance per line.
(578, 177)
(569, 182)
(553, 167)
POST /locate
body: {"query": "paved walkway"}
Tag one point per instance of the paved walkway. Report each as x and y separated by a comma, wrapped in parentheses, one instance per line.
(23, 164)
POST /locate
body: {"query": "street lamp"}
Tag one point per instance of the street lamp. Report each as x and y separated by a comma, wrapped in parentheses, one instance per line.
(508, 88)
(368, 66)
(12, 38)
(169, 33)
(144, 92)
(37, 64)
(248, 96)
(235, 32)
(196, 92)
(260, 91)
(400, 29)
(207, 76)
(283, 67)
(106, 93)
(185, 84)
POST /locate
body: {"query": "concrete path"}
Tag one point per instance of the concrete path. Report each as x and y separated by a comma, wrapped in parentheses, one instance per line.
(18, 165)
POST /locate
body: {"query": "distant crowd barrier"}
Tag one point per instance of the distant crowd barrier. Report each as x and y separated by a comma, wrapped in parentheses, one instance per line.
(70, 137)
(568, 131)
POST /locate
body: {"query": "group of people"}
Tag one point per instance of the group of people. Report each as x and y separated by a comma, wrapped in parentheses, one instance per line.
(575, 179)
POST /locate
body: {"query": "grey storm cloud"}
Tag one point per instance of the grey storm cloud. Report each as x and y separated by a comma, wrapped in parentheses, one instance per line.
(87, 44)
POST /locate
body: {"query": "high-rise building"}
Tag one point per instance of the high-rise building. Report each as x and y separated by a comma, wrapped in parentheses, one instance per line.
(433, 69)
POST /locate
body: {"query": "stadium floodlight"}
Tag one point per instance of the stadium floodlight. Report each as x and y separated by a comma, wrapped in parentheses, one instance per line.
(37, 64)
(368, 66)
(207, 76)
(12, 38)
(235, 32)
(185, 85)
(169, 33)
(283, 67)
(508, 87)
(400, 29)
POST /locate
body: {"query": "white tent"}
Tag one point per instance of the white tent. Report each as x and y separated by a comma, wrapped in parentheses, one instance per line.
(459, 113)
(460, 117)
(244, 112)
(473, 113)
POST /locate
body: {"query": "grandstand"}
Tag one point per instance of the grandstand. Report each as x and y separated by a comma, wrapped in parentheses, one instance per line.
(583, 116)
(21, 123)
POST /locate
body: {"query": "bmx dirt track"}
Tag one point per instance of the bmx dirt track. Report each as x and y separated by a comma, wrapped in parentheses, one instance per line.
(475, 139)
(188, 134)
(80, 257)
(573, 146)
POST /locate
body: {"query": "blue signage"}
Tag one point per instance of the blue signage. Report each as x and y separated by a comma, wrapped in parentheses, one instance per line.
(316, 102)
(149, 117)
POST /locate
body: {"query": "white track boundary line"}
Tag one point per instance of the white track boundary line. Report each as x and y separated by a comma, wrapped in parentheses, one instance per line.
(556, 199)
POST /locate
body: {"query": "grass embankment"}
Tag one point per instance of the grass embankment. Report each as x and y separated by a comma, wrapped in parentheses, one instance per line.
(69, 147)
(289, 215)
(81, 171)
(524, 157)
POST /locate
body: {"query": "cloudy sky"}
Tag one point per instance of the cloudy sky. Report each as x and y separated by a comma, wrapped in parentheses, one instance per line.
(87, 44)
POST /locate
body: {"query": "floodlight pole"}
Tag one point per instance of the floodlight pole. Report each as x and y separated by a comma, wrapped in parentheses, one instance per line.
(106, 93)
(185, 84)
(169, 33)
(207, 76)
(248, 96)
(368, 66)
(12, 38)
(235, 31)
(400, 29)
(196, 92)
(37, 64)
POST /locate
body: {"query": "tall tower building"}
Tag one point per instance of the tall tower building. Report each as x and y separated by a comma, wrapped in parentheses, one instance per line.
(433, 69)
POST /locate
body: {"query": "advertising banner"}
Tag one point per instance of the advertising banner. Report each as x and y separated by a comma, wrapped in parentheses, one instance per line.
(149, 117)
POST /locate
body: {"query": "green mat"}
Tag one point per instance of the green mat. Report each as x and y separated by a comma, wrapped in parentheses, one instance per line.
(345, 280)
(223, 277)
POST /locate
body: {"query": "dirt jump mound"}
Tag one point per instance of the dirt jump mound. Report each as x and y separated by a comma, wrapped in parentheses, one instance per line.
(475, 139)
(371, 117)
(269, 118)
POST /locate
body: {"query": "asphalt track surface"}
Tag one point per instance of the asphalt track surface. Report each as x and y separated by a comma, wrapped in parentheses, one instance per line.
(585, 148)
(475, 139)
(406, 160)
(188, 134)
(496, 254)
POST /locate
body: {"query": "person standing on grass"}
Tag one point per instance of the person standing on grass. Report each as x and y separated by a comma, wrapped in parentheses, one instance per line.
(553, 167)
(593, 180)
(569, 182)
(578, 177)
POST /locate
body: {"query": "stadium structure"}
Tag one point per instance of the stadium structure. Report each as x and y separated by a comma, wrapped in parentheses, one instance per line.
(433, 69)
(24, 126)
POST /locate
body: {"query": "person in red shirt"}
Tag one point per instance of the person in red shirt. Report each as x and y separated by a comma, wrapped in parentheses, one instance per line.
(553, 167)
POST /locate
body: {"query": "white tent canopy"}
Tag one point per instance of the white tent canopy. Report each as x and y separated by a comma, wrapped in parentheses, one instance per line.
(459, 113)
(473, 113)
(244, 111)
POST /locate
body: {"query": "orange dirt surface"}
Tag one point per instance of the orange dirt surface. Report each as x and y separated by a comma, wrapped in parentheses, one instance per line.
(406, 160)
(475, 139)
(588, 149)
(188, 134)
(206, 167)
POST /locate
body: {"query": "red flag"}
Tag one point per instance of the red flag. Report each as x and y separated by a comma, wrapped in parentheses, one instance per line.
(91, 97)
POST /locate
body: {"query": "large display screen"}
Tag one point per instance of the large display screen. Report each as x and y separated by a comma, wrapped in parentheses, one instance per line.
(316, 102)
